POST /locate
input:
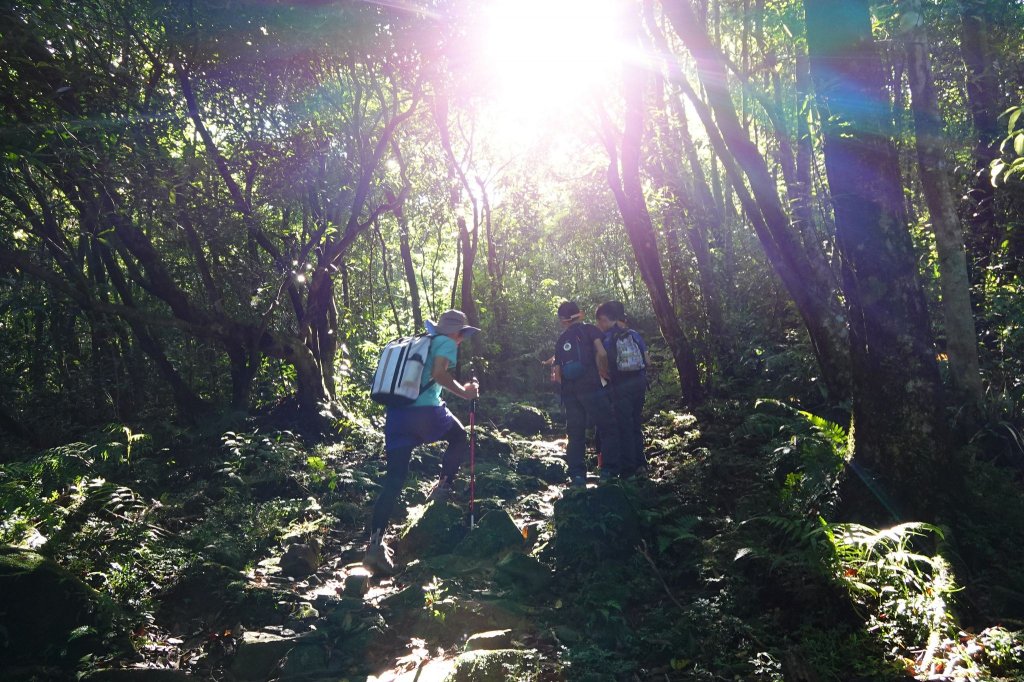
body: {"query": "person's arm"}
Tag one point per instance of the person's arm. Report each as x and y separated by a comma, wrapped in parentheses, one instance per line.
(443, 378)
(602, 359)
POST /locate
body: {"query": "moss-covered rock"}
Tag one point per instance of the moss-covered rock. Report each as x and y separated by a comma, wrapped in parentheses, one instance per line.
(523, 573)
(301, 559)
(594, 525)
(259, 653)
(410, 598)
(490, 640)
(51, 616)
(499, 665)
(493, 446)
(450, 621)
(435, 529)
(548, 468)
(495, 534)
(526, 419)
(303, 661)
(495, 480)
(138, 675)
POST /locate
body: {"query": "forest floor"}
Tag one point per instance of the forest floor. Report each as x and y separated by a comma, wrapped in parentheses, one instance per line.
(715, 566)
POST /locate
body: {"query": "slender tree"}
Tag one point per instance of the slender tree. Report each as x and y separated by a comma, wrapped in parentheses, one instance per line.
(627, 187)
(932, 144)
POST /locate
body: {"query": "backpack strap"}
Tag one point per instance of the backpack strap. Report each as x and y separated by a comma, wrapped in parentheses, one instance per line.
(429, 370)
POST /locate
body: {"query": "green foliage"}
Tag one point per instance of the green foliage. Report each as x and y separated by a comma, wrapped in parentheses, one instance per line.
(806, 451)
(907, 597)
(1011, 166)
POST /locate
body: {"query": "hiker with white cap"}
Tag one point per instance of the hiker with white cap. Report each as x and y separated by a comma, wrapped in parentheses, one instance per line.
(426, 420)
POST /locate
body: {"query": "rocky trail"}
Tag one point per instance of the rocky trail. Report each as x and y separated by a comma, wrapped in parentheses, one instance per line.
(491, 603)
(651, 578)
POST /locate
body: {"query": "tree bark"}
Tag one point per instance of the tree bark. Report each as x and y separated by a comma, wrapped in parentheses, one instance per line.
(931, 144)
(469, 246)
(983, 103)
(804, 273)
(898, 448)
(629, 195)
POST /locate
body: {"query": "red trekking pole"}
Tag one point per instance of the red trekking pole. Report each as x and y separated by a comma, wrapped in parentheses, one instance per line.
(472, 463)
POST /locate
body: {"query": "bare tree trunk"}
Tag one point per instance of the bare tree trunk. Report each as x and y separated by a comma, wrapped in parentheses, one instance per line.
(629, 196)
(932, 145)
(899, 451)
(410, 272)
(983, 102)
(804, 273)
(469, 245)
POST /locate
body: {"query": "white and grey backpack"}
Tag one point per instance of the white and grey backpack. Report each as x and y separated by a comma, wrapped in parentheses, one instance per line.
(399, 376)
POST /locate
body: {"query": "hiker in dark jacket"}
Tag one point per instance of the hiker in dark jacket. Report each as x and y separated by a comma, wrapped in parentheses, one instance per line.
(628, 361)
(427, 420)
(581, 366)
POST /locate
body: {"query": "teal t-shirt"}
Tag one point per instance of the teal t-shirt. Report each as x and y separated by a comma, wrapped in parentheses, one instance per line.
(444, 347)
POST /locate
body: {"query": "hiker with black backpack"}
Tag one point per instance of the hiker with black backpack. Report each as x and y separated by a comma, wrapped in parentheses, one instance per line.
(581, 366)
(418, 417)
(628, 361)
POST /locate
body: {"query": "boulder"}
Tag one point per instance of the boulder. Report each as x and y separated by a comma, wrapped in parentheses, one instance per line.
(523, 573)
(450, 620)
(495, 534)
(301, 560)
(138, 675)
(357, 585)
(548, 468)
(492, 446)
(258, 653)
(499, 665)
(436, 529)
(55, 618)
(410, 598)
(304, 660)
(488, 641)
(526, 420)
(495, 480)
(594, 525)
(305, 611)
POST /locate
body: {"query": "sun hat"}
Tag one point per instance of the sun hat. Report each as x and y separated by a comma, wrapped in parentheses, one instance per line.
(451, 322)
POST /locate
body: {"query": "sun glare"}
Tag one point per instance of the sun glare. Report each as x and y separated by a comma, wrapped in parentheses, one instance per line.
(546, 57)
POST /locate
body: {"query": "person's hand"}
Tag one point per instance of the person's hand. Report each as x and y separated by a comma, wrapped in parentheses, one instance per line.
(605, 374)
(471, 390)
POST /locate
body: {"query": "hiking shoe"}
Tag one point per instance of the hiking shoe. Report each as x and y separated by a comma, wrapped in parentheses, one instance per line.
(378, 557)
(440, 492)
(578, 482)
(606, 476)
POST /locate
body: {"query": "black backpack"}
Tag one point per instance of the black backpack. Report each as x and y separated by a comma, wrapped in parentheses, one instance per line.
(573, 354)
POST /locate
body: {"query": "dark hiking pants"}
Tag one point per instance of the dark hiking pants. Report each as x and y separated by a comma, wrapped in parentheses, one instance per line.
(398, 469)
(592, 406)
(628, 402)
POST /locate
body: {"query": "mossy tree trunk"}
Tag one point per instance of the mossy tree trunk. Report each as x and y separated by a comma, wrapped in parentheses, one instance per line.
(899, 451)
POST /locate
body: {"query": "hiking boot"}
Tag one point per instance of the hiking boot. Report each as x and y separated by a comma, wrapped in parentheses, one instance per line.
(440, 492)
(578, 482)
(607, 476)
(378, 556)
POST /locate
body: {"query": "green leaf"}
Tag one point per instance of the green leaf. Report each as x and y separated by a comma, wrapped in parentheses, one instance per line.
(1011, 122)
(996, 171)
(1018, 144)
